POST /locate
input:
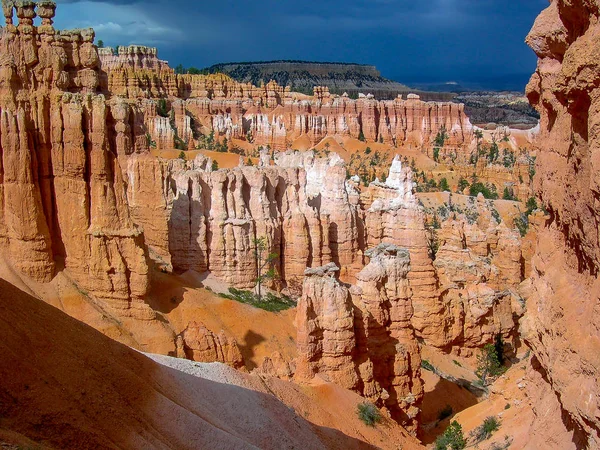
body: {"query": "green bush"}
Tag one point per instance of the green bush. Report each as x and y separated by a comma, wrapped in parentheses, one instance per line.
(488, 363)
(182, 155)
(508, 195)
(444, 186)
(462, 184)
(486, 429)
(368, 414)
(361, 136)
(268, 302)
(161, 108)
(522, 224)
(436, 154)
(488, 192)
(427, 365)
(452, 439)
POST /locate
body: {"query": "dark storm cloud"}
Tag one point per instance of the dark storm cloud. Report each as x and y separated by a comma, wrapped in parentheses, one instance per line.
(437, 40)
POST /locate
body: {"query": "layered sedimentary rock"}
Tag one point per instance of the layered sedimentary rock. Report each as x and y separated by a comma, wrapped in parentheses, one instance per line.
(361, 336)
(63, 196)
(562, 312)
(137, 57)
(273, 115)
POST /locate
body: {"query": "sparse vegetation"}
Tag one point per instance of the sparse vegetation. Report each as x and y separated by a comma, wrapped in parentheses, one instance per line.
(452, 439)
(488, 191)
(486, 429)
(182, 155)
(361, 136)
(488, 364)
(508, 194)
(427, 365)
(368, 414)
(269, 302)
(215, 165)
(444, 186)
(462, 185)
(263, 262)
(161, 108)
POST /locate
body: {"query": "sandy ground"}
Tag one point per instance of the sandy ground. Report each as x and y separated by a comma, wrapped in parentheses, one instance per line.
(258, 333)
(65, 385)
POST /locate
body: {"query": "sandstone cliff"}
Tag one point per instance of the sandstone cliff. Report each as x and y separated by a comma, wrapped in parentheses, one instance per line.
(562, 318)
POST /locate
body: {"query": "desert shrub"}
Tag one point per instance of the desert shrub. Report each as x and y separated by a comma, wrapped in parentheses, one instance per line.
(488, 363)
(462, 184)
(182, 155)
(444, 186)
(488, 192)
(456, 363)
(508, 194)
(496, 215)
(215, 165)
(361, 136)
(427, 365)
(486, 429)
(445, 412)
(452, 439)
(522, 224)
(368, 150)
(161, 108)
(368, 414)
(268, 302)
(531, 205)
(436, 154)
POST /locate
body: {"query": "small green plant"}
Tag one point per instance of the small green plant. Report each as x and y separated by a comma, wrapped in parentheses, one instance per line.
(263, 262)
(531, 205)
(436, 154)
(149, 141)
(507, 406)
(484, 431)
(182, 155)
(367, 150)
(368, 414)
(488, 364)
(215, 166)
(161, 108)
(269, 302)
(444, 186)
(522, 224)
(452, 439)
(361, 136)
(456, 363)
(462, 184)
(446, 412)
(427, 365)
(488, 192)
(508, 194)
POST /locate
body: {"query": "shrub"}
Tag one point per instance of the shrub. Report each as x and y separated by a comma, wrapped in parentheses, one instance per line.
(446, 412)
(522, 224)
(462, 184)
(215, 165)
(361, 136)
(488, 363)
(444, 185)
(531, 205)
(436, 154)
(508, 194)
(452, 439)
(368, 150)
(268, 302)
(161, 108)
(368, 414)
(487, 191)
(427, 365)
(182, 155)
(486, 429)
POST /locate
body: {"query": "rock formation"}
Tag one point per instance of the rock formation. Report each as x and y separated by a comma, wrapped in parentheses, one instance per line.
(562, 313)
(361, 337)
(63, 195)
(200, 344)
(137, 57)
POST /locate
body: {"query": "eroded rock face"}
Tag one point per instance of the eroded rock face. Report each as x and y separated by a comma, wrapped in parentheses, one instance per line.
(198, 343)
(562, 312)
(63, 195)
(361, 336)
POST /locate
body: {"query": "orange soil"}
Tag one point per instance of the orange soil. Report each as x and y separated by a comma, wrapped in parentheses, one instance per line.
(258, 333)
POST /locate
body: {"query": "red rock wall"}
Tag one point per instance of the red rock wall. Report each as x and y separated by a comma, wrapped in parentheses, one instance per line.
(563, 312)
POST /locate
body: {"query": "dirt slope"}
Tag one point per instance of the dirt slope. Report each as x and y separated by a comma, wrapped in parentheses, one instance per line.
(65, 385)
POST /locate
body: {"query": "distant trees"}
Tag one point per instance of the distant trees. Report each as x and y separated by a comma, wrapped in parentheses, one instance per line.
(100, 43)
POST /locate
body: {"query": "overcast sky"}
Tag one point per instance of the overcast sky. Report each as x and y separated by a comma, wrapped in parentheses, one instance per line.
(418, 40)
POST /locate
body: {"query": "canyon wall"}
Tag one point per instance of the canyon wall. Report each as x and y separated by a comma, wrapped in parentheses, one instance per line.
(562, 318)
(272, 114)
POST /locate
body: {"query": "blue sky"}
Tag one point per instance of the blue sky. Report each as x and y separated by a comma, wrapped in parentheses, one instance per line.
(418, 40)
